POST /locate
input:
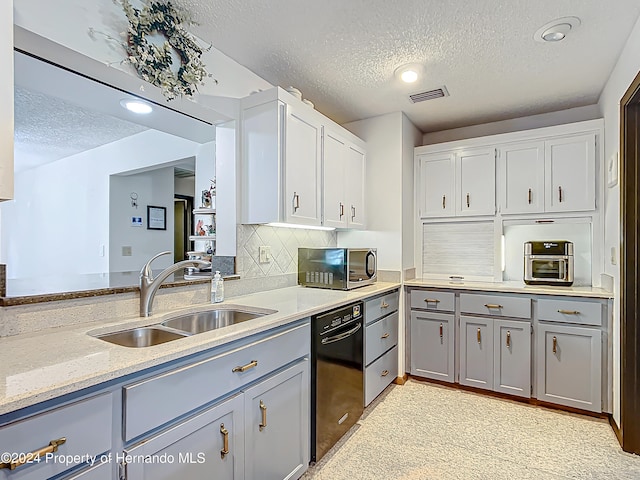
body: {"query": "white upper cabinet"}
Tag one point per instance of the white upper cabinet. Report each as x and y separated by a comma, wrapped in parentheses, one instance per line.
(343, 182)
(555, 175)
(457, 183)
(302, 163)
(298, 167)
(522, 180)
(281, 161)
(476, 182)
(570, 165)
(437, 185)
(6, 101)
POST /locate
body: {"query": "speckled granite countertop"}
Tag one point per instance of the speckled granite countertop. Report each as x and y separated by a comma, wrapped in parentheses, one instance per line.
(41, 366)
(512, 287)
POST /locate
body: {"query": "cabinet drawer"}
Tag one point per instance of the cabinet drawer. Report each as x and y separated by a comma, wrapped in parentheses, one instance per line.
(86, 426)
(380, 337)
(570, 311)
(496, 305)
(180, 391)
(432, 300)
(380, 374)
(103, 471)
(380, 306)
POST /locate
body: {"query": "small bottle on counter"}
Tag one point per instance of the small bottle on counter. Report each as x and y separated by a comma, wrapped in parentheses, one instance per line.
(217, 288)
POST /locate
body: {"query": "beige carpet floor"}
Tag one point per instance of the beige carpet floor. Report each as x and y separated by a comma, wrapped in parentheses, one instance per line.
(426, 431)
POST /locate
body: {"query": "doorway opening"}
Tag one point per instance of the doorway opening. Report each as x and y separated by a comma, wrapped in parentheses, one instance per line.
(183, 205)
(630, 267)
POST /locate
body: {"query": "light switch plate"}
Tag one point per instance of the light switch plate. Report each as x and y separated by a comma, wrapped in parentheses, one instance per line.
(126, 251)
(264, 254)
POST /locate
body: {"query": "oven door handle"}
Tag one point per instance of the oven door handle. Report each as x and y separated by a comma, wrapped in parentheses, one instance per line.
(342, 336)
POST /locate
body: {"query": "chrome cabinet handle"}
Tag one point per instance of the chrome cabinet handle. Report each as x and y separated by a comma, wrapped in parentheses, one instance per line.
(386, 335)
(468, 200)
(341, 210)
(34, 456)
(296, 202)
(569, 312)
(493, 305)
(263, 408)
(479, 336)
(384, 373)
(508, 339)
(530, 199)
(444, 202)
(225, 441)
(560, 194)
(244, 368)
(555, 345)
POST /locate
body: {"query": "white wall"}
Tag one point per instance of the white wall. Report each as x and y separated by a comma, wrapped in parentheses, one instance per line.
(61, 209)
(184, 186)
(621, 77)
(6, 101)
(589, 112)
(156, 187)
(411, 137)
(383, 190)
(67, 22)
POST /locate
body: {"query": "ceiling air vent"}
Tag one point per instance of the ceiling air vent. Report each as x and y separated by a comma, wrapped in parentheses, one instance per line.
(429, 95)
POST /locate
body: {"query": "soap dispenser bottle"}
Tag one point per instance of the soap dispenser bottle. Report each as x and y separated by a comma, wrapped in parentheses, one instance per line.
(217, 288)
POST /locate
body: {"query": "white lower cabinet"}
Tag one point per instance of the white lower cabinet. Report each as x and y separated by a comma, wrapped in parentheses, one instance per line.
(102, 471)
(432, 345)
(495, 354)
(569, 363)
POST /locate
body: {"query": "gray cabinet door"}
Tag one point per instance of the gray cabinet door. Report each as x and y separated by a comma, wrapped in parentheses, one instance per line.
(277, 430)
(101, 471)
(194, 449)
(476, 352)
(568, 361)
(512, 357)
(432, 345)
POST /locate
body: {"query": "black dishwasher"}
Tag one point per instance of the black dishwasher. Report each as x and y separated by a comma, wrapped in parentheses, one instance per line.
(337, 383)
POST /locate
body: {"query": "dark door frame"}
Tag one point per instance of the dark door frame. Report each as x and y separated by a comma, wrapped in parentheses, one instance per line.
(630, 267)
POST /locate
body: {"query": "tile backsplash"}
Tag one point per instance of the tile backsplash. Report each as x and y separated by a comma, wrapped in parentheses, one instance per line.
(284, 243)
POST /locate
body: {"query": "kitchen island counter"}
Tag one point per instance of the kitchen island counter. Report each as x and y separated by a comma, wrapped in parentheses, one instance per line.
(41, 366)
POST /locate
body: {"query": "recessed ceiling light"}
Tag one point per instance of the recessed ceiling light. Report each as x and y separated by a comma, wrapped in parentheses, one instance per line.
(136, 106)
(409, 73)
(556, 30)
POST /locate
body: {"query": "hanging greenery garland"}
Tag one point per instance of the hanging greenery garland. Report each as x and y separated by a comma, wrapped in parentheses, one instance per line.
(154, 63)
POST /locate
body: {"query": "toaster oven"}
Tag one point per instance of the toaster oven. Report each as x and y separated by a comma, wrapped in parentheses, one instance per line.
(548, 262)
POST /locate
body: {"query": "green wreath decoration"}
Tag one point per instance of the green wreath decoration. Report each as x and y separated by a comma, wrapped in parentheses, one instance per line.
(153, 63)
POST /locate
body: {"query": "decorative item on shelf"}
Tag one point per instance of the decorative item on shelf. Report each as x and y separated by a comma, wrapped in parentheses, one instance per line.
(200, 231)
(155, 33)
(206, 198)
(212, 192)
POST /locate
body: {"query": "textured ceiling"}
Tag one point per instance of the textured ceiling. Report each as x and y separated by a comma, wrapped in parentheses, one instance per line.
(48, 129)
(342, 53)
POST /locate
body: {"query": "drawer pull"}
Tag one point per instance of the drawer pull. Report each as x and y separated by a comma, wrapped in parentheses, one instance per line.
(508, 339)
(30, 457)
(384, 304)
(441, 331)
(386, 335)
(569, 312)
(263, 408)
(384, 373)
(431, 300)
(479, 336)
(493, 305)
(244, 368)
(555, 345)
(225, 441)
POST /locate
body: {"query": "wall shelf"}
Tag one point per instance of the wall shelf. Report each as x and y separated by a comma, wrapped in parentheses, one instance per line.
(204, 211)
(202, 237)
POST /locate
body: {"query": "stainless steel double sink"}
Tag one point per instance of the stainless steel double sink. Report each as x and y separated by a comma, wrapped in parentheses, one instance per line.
(181, 326)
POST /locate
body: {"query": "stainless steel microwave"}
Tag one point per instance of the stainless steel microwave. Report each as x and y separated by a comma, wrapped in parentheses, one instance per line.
(337, 268)
(548, 262)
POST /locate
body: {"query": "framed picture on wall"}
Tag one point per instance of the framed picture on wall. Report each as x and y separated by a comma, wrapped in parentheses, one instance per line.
(156, 218)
